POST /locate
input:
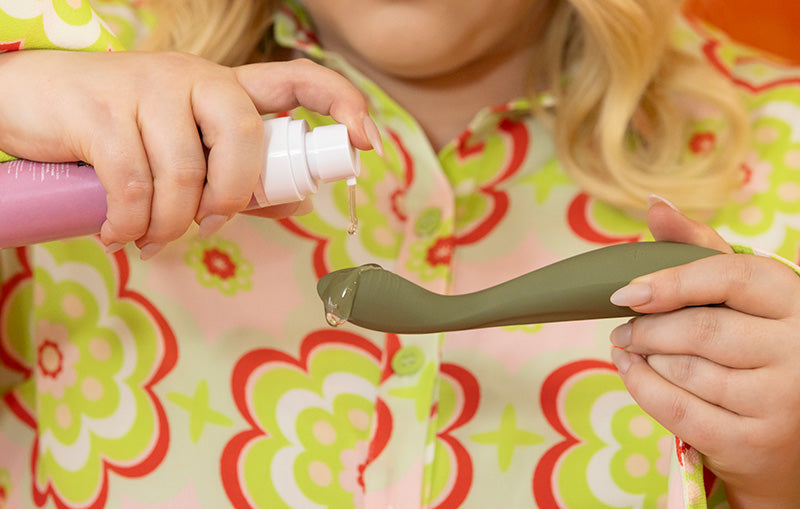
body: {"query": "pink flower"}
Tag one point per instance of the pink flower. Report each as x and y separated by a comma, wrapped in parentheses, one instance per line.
(55, 359)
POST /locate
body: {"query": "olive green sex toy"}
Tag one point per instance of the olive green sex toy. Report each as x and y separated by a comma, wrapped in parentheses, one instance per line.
(577, 288)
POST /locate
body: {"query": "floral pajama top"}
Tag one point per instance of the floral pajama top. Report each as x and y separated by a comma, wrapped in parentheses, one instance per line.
(207, 377)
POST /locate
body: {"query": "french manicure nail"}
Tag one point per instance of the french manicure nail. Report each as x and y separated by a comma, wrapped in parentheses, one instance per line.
(621, 336)
(304, 207)
(211, 225)
(635, 294)
(654, 198)
(114, 247)
(621, 359)
(150, 250)
(373, 135)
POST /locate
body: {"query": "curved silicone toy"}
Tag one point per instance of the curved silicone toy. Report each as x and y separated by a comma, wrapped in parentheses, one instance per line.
(577, 288)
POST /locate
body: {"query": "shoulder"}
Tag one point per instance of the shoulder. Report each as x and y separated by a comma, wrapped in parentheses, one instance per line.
(99, 25)
(752, 71)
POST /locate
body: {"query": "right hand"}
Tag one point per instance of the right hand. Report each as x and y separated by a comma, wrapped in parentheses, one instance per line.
(138, 117)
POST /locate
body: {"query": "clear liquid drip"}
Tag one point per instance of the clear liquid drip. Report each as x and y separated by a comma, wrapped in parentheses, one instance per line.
(351, 202)
(333, 320)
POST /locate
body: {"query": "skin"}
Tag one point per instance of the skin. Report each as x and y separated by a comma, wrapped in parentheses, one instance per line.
(137, 118)
(439, 59)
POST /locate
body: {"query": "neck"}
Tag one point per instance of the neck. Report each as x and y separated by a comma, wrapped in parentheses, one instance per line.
(444, 105)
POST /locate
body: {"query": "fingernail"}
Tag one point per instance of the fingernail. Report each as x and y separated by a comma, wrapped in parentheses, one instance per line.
(114, 247)
(621, 336)
(211, 225)
(150, 250)
(635, 294)
(654, 198)
(303, 208)
(621, 359)
(373, 135)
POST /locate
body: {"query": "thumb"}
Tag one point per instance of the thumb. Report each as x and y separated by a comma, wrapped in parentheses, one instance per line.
(281, 86)
(666, 222)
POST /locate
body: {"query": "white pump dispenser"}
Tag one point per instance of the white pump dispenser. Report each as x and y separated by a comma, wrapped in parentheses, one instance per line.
(298, 160)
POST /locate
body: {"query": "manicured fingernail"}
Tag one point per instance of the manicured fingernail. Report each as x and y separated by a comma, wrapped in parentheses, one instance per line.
(621, 336)
(635, 294)
(150, 250)
(303, 208)
(114, 247)
(654, 198)
(373, 135)
(621, 359)
(211, 225)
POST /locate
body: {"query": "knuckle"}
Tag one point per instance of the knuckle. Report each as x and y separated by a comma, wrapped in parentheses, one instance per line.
(683, 369)
(678, 409)
(248, 127)
(739, 270)
(187, 175)
(179, 61)
(304, 64)
(705, 325)
(136, 190)
(673, 282)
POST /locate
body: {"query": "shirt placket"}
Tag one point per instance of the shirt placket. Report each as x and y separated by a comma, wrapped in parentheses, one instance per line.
(400, 478)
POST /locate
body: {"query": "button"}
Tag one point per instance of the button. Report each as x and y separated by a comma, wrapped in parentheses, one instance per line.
(408, 360)
(428, 222)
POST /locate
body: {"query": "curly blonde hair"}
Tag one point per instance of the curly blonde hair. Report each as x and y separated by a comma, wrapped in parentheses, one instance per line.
(625, 97)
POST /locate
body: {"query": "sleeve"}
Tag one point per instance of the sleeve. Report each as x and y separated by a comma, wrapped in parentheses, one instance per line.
(76, 25)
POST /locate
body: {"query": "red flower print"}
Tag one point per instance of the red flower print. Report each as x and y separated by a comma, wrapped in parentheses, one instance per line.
(517, 136)
(11, 45)
(461, 473)
(55, 374)
(398, 204)
(543, 485)
(583, 224)
(702, 143)
(219, 263)
(258, 401)
(441, 252)
(50, 359)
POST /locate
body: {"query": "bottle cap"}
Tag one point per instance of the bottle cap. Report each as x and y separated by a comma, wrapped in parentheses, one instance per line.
(297, 160)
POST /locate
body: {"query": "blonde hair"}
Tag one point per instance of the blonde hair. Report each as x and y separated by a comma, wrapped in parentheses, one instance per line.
(625, 98)
(229, 32)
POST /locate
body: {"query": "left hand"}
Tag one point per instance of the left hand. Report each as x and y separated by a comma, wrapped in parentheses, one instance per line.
(725, 379)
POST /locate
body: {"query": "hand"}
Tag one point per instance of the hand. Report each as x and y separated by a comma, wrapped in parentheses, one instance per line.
(138, 118)
(725, 379)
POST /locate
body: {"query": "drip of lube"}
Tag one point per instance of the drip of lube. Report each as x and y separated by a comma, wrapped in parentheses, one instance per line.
(351, 204)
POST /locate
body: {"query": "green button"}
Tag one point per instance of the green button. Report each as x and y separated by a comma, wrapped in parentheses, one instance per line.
(408, 360)
(428, 222)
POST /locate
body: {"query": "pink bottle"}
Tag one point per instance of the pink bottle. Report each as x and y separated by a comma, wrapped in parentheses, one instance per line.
(49, 201)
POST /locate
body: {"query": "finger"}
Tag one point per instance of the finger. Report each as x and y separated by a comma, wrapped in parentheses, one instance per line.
(121, 164)
(755, 285)
(233, 133)
(178, 165)
(710, 429)
(666, 222)
(281, 86)
(283, 210)
(731, 389)
(723, 335)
